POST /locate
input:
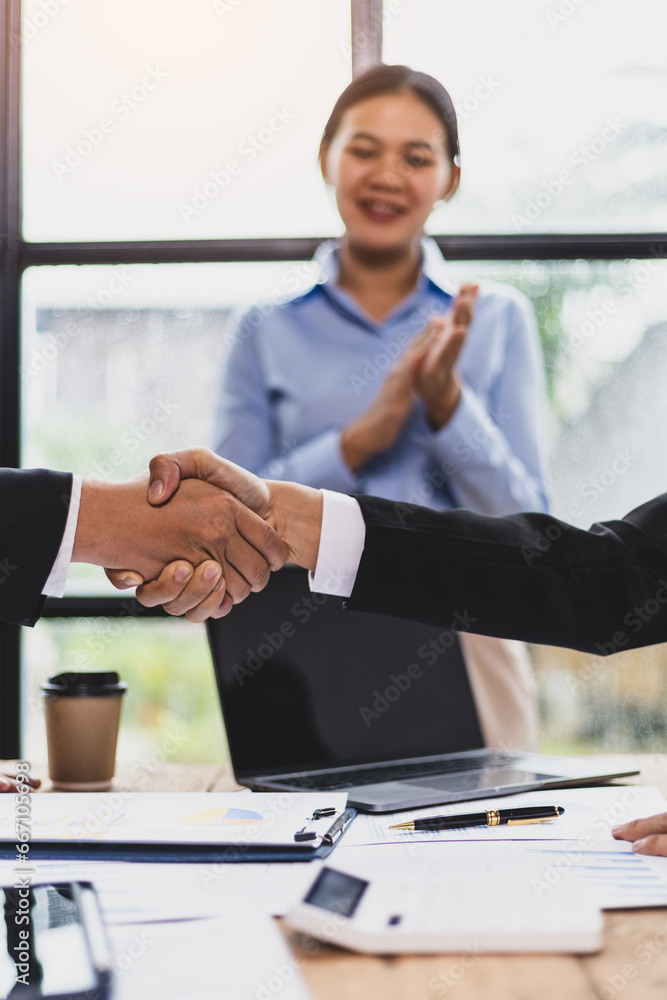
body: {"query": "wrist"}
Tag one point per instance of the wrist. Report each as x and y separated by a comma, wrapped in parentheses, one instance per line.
(98, 538)
(295, 514)
(356, 447)
(441, 410)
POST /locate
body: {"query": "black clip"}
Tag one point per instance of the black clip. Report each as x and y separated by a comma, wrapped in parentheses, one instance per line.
(304, 834)
(320, 813)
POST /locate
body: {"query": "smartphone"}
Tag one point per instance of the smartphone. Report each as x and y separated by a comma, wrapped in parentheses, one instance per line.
(53, 943)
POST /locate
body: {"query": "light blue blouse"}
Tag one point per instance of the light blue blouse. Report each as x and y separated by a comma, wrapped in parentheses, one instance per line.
(299, 372)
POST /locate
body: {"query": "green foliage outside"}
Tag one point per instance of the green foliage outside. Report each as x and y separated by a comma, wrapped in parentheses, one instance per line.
(171, 704)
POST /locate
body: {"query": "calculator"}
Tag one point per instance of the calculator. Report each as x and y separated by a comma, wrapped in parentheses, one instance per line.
(403, 914)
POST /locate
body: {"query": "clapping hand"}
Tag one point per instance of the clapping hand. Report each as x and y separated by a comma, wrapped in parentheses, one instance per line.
(435, 379)
(426, 369)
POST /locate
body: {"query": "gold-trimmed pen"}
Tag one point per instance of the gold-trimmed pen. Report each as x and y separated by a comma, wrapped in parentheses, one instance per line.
(490, 817)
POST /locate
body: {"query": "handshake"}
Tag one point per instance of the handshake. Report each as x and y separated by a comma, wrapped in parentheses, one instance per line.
(198, 534)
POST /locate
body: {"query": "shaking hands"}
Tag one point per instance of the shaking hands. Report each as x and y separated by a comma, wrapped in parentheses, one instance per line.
(202, 532)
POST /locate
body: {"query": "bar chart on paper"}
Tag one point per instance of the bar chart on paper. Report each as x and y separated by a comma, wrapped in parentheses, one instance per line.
(617, 877)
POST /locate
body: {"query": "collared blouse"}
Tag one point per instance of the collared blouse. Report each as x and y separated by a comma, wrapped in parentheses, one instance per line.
(298, 372)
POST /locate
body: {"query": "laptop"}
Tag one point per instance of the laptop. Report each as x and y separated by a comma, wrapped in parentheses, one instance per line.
(318, 698)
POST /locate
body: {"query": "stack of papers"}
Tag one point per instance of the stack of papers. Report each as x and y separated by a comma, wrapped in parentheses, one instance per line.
(578, 845)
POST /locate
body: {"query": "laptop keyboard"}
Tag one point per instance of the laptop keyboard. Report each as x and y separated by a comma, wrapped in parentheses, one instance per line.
(400, 772)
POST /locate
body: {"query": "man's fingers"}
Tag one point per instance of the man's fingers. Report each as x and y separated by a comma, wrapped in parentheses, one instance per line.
(267, 544)
(167, 587)
(124, 578)
(224, 609)
(249, 565)
(202, 594)
(167, 470)
(236, 584)
(638, 829)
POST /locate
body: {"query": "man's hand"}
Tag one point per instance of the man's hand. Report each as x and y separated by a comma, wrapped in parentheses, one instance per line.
(201, 524)
(294, 512)
(167, 470)
(648, 836)
(435, 378)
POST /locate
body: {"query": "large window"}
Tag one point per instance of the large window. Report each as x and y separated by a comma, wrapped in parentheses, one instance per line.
(173, 119)
(167, 176)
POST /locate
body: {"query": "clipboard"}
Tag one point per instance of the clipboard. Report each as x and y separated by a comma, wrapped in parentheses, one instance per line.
(173, 827)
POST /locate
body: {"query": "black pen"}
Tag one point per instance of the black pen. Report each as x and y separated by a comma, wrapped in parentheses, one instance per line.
(490, 817)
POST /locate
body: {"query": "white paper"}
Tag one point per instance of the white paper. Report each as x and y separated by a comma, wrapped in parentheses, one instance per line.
(237, 957)
(589, 813)
(610, 875)
(214, 818)
(617, 878)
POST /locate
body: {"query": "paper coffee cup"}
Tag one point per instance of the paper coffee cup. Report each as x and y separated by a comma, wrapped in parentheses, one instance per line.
(82, 713)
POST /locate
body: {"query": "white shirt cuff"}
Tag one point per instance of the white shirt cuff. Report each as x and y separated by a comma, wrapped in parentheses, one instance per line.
(341, 545)
(55, 585)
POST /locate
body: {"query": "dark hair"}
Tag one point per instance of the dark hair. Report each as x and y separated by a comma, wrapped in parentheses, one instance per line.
(391, 80)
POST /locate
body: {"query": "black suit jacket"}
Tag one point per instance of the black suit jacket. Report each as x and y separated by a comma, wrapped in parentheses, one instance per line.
(34, 504)
(528, 576)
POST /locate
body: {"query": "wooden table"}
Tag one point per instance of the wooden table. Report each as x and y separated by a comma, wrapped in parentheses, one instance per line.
(632, 964)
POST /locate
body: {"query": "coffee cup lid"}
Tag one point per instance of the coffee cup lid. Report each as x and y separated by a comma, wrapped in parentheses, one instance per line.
(85, 684)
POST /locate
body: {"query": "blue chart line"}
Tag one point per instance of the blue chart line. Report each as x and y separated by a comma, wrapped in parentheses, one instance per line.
(622, 878)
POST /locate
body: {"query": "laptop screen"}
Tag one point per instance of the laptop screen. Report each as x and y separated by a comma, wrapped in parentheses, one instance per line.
(306, 685)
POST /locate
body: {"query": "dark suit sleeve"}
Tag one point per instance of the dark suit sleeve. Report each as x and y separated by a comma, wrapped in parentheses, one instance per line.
(34, 504)
(528, 576)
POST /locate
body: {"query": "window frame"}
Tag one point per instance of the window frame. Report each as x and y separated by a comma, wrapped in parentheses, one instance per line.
(18, 254)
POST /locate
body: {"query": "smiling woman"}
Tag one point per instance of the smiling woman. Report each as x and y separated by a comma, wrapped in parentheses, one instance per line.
(379, 379)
